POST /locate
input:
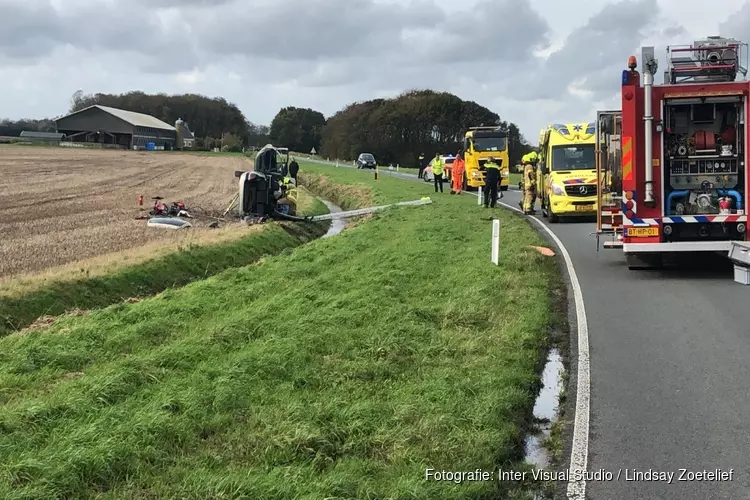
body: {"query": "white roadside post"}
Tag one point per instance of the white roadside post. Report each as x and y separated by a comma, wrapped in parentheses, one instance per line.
(337, 164)
(496, 241)
(479, 196)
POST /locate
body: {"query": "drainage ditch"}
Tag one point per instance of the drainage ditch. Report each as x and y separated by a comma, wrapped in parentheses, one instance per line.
(337, 225)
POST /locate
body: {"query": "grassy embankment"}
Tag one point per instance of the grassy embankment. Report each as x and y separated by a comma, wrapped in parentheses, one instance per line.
(342, 369)
(143, 271)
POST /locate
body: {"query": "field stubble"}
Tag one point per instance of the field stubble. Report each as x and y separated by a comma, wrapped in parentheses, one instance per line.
(59, 206)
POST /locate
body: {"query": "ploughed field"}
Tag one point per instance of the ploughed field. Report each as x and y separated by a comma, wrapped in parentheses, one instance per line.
(59, 205)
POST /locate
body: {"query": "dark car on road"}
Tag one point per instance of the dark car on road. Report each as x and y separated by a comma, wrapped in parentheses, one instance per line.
(366, 160)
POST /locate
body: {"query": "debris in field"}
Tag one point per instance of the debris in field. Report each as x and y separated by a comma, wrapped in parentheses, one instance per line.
(168, 223)
(176, 209)
(214, 224)
(544, 251)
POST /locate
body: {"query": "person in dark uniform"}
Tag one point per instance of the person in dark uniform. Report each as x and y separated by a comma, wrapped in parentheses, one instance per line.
(293, 169)
(491, 182)
(423, 162)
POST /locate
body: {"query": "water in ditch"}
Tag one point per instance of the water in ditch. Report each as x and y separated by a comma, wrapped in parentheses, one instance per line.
(337, 225)
(545, 411)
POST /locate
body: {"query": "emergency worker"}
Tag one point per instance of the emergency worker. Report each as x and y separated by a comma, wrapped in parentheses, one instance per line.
(294, 169)
(534, 159)
(422, 165)
(491, 182)
(437, 165)
(529, 185)
(459, 167)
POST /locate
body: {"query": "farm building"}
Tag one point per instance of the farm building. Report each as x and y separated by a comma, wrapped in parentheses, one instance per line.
(113, 127)
(189, 139)
(185, 137)
(34, 136)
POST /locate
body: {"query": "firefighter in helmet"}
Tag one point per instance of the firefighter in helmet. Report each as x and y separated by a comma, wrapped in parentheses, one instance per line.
(534, 158)
(529, 184)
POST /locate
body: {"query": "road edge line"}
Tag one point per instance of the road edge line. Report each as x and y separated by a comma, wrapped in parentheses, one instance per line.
(580, 446)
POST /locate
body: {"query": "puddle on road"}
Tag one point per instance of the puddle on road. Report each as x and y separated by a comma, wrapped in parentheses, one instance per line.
(545, 411)
(337, 225)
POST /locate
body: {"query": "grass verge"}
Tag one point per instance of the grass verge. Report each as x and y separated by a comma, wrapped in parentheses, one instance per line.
(109, 279)
(342, 369)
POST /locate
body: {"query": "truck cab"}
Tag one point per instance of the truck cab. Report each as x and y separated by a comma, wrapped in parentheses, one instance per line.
(481, 143)
(566, 174)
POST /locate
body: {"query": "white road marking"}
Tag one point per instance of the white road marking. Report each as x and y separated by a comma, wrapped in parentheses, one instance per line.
(580, 449)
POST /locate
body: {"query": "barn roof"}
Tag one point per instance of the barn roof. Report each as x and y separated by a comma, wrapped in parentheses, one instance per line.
(131, 117)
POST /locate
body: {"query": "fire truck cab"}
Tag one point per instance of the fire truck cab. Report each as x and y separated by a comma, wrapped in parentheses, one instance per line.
(677, 154)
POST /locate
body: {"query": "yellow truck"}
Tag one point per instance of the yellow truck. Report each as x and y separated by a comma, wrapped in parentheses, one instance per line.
(479, 144)
(566, 177)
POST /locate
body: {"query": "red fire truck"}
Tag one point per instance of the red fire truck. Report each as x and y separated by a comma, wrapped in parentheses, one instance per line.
(672, 163)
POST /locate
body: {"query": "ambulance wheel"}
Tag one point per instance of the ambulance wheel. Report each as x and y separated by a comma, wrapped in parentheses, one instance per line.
(553, 218)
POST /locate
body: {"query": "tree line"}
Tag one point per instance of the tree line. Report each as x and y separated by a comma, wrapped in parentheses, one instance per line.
(395, 130)
(418, 122)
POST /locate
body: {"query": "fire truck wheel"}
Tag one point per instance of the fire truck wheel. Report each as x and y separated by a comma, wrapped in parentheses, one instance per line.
(503, 188)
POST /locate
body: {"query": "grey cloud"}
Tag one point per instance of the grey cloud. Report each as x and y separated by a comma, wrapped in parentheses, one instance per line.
(737, 25)
(500, 31)
(299, 31)
(32, 30)
(29, 29)
(598, 51)
(355, 40)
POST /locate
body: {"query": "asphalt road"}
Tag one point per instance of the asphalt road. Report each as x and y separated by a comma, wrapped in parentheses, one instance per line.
(669, 370)
(669, 367)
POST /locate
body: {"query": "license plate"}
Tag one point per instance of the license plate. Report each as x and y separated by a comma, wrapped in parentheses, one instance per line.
(584, 208)
(642, 232)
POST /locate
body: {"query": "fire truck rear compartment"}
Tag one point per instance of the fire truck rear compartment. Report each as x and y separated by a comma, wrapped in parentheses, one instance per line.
(704, 172)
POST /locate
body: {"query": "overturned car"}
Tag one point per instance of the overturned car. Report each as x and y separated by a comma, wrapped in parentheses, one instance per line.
(265, 192)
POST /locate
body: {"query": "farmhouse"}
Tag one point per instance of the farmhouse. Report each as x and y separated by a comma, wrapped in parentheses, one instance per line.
(117, 128)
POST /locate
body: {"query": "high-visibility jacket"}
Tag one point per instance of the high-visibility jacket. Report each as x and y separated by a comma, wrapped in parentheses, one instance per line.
(459, 167)
(437, 166)
(491, 164)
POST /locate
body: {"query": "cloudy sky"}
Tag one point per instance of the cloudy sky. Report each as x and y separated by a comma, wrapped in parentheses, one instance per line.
(532, 62)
